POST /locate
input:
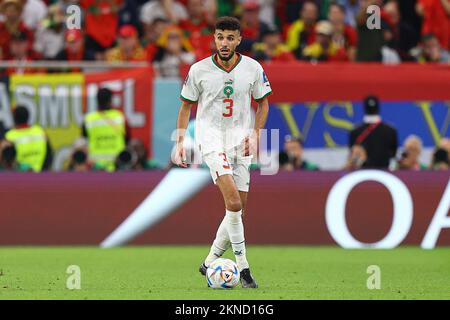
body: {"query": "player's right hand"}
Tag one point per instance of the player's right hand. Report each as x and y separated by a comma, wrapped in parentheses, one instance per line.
(180, 156)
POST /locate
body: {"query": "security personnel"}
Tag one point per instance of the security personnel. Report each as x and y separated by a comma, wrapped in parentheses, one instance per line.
(106, 131)
(380, 140)
(32, 145)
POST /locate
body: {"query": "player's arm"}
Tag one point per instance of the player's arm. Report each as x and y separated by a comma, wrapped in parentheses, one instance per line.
(260, 122)
(182, 123)
(261, 116)
(446, 5)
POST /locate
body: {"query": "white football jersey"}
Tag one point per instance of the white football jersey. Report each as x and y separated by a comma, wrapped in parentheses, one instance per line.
(224, 97)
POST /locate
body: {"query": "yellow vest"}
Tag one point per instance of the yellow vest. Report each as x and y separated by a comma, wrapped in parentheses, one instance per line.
(106, 135)
(31, 146)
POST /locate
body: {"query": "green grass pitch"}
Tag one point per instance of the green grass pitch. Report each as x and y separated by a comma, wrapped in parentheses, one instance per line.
(170, 272)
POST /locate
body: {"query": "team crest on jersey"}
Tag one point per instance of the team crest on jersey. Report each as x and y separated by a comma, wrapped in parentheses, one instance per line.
(228, 91)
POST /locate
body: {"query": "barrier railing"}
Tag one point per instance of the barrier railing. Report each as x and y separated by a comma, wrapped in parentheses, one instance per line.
(73, 64)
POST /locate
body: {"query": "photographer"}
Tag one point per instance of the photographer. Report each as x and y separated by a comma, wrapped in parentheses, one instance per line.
(291, 158)
(357, 159)
(79, 160)
(409, 158)
(8, 161)
(126, 160)
(445, 144)
(440, 160)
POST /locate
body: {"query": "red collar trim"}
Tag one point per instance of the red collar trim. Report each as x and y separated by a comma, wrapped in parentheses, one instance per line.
(220, 66)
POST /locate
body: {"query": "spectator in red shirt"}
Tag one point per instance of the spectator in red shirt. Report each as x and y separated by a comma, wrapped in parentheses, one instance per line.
(128, 48)
(101, 21)
(12, 24)
(436, 19)
(20, 51)
(75, 49)
(344, 35)
(198, 28)
(200, 19)
(251, 27)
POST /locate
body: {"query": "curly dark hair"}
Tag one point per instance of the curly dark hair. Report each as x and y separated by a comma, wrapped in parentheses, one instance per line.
(228, 23)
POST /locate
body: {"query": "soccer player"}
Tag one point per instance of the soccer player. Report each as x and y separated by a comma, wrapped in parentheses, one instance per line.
(223, 86)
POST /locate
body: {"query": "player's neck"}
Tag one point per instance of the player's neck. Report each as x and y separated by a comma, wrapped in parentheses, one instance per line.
(227, 64)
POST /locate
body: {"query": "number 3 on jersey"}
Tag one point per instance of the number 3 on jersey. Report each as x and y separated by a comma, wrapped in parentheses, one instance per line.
(229, 107)
(225, 160)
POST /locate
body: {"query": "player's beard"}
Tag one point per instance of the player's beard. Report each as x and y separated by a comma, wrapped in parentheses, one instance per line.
(225, 58)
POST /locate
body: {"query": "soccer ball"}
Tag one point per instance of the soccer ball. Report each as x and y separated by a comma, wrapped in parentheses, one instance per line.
(222, 274)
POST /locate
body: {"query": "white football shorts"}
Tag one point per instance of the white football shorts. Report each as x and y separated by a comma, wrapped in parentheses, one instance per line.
(220, 164)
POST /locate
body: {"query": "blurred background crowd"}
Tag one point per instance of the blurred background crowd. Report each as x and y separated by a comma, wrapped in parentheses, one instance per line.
(373, 144)
(106, 145)
(170, 33)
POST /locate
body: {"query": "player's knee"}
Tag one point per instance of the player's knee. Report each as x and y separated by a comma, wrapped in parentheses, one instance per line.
(234, 205)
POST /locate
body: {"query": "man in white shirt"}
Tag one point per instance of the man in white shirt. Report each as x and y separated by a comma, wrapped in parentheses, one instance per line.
(223, 86)
(33, 13)
(173, 11)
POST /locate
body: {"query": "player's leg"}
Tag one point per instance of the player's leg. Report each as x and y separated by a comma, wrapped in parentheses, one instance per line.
(243, 196)
(234, 189)
(222, 241)
(241, 175)
(220, 244)
(233, 214)
(218, 165)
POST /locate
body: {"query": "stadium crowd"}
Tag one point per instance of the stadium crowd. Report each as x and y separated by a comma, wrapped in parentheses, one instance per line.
(105, 144)
(169, 33)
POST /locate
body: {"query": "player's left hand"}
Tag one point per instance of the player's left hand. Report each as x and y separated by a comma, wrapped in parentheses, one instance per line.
(251, 144)
(180, 156)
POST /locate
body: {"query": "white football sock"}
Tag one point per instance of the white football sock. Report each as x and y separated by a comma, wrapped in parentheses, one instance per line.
(221, 243)
(235, 229)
